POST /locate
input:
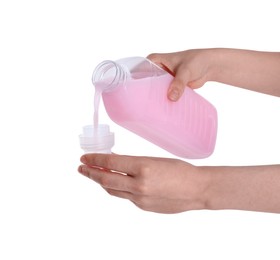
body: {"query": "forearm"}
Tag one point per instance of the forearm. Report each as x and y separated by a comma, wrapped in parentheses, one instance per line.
(253, 70)
(253, 188)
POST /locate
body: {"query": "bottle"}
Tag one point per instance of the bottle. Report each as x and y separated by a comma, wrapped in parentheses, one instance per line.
(97, 139)
(134, 93)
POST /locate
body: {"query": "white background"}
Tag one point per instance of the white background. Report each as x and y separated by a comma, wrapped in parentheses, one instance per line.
(48, 50)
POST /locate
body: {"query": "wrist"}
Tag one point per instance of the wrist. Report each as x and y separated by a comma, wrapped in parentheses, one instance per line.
(204, 185)
(217, 63)
(215, 189)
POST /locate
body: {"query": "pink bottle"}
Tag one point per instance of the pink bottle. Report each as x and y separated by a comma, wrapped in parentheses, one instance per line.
(134, 92)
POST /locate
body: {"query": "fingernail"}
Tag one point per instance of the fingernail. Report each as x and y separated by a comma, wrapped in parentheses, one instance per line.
(82, 169)
(174, 95)
(83, 159)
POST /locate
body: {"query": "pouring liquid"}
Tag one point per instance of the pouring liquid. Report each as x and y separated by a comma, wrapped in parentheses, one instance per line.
(97, 97)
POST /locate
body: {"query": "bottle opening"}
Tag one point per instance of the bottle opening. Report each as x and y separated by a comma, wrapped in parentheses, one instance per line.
(108, 74)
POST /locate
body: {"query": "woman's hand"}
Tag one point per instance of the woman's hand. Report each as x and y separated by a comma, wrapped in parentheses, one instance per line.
(253, 70)
(153, 184)
(190, 68)
(173, 186)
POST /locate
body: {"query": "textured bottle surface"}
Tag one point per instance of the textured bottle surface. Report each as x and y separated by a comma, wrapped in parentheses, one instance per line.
(187, 128)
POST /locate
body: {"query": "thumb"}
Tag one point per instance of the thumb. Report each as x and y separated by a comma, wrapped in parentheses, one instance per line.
(175, 90)
(177, 86)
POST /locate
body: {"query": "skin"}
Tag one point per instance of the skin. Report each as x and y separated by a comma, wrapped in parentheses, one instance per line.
(171, 186)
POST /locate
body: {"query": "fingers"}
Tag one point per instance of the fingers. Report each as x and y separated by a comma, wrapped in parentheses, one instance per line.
(119, 163)
(162, 60)
(176, 89)
(177, 86)
(180, 73)
(108, 180)
(157, 58)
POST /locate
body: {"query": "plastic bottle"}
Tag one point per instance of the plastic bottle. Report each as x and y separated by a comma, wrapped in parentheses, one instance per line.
(97, 139)
(134, 93)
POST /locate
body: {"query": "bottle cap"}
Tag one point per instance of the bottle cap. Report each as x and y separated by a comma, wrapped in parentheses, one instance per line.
(97, 139)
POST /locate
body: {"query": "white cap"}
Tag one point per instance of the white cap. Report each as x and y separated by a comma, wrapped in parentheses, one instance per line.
(97, 139)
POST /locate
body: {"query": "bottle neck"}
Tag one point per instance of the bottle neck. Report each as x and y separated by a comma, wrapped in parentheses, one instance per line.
(108, 74)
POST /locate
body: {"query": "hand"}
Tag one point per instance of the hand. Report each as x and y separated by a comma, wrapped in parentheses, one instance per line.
(189, 68)
(253, 70)
(153, 184)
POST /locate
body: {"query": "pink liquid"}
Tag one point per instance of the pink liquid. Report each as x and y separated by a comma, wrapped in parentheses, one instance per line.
(97, 96)
(186, 128)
